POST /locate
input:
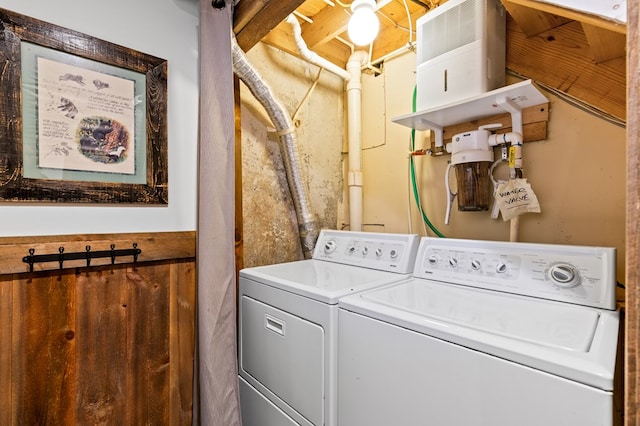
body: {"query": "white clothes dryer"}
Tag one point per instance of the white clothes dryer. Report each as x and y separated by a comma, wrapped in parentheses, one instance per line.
(288, 323)
(485, 334)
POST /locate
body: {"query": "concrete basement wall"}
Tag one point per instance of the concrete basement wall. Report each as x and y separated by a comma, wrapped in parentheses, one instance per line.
(270, 225)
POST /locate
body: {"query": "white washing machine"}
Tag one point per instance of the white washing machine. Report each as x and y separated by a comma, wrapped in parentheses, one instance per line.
(485, 333)
(288, 317)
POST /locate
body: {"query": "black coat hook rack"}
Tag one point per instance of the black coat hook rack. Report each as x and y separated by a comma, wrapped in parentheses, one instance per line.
(86, 255)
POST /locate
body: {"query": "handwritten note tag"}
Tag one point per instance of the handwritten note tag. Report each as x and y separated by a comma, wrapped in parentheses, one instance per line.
(515, 197)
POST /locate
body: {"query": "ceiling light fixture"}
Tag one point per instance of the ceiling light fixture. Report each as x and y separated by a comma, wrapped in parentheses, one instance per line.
(363, 25)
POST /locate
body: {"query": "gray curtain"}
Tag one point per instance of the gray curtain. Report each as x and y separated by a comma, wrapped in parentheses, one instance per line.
(218, 402)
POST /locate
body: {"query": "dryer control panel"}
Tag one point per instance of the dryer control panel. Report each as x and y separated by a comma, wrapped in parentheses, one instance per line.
(375, 250)
(574, 274)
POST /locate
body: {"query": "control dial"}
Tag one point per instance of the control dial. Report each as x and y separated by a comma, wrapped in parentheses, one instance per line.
(501, 267)
(330, 246)
(564, 275)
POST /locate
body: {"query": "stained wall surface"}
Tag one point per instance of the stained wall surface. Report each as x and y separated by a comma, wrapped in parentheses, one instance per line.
(270, 227)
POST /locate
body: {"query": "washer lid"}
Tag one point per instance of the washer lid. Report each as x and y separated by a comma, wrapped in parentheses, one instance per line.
(571, 341)
(320, 280)
(549, 324)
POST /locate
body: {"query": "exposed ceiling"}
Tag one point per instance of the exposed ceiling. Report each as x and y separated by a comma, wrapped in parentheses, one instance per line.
(576, 53)
(324, 25)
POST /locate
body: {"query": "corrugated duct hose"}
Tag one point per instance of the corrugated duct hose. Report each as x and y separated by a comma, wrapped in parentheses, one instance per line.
(308, 227)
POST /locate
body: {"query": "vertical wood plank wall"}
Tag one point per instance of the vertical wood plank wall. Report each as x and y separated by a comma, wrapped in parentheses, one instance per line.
(632, 278)
(106, 344)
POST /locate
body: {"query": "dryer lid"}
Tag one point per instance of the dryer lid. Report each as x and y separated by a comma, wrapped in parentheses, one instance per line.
(319, 280)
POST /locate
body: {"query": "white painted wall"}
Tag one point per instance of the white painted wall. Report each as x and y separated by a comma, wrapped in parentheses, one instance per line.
(164, 28)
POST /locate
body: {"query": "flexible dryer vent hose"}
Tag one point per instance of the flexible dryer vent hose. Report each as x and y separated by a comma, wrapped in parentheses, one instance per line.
(308, 227)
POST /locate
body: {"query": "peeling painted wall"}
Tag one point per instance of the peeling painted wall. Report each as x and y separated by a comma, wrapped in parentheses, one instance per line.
(270, 227)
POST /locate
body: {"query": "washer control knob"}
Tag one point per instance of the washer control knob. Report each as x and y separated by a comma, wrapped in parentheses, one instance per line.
(453, 262)
(564, 275)
(393, 253)
(432, 260)
(501, 267)
(378, 252)
(330, 246)
(365, 250)
(352, 249)
(475, 264)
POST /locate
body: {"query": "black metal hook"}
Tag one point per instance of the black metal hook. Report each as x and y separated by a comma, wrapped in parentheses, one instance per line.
(29, 259)
(87, 255)
(61, 256)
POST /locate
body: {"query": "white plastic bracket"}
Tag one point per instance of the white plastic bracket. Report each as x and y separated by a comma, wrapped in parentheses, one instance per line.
(438, 130)
(516, 113)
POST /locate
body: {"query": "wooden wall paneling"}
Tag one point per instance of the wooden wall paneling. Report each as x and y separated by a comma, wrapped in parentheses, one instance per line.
(632, 273)
(6, 313)
(148, 342)
(101, 345)
(154, 246)
(182, 303)
(43, 358)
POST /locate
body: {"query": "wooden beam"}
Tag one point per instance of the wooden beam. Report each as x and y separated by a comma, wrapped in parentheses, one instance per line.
(253, 19)
(560, 59)
(533, 21)
(327, 24)
(604, 44)
(597, 21)
(333, 50)
(632, 249)
(534, 120)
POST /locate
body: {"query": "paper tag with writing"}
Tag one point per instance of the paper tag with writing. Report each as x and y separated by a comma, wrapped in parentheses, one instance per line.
(515, 197)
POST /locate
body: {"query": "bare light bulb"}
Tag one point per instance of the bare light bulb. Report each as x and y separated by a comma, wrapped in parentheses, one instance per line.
(363, 25)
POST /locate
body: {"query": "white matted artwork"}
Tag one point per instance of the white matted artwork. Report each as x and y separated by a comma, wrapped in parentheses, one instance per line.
(83, 120)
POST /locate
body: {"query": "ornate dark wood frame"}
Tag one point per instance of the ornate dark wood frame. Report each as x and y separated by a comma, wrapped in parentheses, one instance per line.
(15, 28)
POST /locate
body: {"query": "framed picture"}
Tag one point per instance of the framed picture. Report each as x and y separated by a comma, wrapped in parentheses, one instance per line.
(82, 120)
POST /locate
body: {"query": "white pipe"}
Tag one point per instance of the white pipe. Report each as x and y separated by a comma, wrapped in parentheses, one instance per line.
(353, 76)
(515, 139)
(310, 56)
(354, 120)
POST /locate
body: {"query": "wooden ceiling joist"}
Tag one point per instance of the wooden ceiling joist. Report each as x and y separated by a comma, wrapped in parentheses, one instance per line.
(254, 19)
